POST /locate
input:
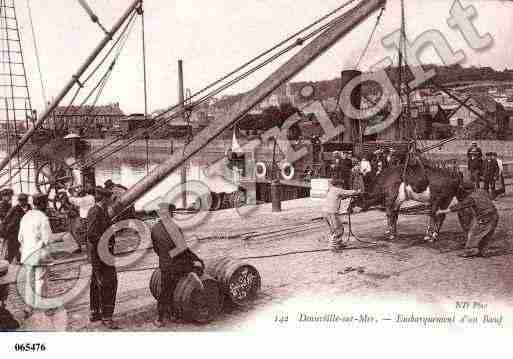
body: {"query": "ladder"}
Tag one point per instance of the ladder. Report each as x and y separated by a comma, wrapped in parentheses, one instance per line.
(15, 105)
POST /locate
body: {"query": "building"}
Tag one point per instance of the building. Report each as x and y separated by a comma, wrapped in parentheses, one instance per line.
(134, 122)
(90, 121)
(468, 119)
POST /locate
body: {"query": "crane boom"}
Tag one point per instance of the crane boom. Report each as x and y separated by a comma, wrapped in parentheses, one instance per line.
(324, 41)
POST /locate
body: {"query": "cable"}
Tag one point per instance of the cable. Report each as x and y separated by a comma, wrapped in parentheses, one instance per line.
(36, 50)
(369, 41)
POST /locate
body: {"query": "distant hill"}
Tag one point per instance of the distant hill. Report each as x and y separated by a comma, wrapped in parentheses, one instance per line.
(444, 75)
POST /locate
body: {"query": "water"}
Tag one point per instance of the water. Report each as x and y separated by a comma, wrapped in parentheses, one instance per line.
(127, 167)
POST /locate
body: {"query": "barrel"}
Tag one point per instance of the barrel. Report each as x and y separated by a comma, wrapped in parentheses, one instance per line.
(189, 302)
(240, 282)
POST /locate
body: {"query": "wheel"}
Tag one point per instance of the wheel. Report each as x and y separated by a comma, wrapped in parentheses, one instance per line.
(238, 199)
(51, 177)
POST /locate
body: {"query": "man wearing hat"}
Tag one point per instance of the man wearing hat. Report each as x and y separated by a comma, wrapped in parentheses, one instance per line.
(490, 174)
(5, 204)
(475, 163)
(484, 218)
(34, 237)
(104, 281)
(12, 227)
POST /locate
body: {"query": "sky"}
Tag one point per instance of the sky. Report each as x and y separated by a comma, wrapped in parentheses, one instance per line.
(214, 37)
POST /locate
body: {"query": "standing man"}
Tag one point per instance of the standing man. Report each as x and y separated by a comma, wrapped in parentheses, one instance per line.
(171, 268)
(316, 149)
(475, 163)
(12, 227)
(490, 174)
(331, 208)
(366, 170)
(5, 202)
(104, 281)
(78, 226)
(500, 164)
(34, 238)
(483, 222)
(5, 206)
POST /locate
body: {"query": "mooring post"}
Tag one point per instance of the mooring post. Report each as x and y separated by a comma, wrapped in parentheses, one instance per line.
(275, 183)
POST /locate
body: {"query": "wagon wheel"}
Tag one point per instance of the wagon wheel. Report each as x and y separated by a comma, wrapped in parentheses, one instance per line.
(51, 177)
(238, 199)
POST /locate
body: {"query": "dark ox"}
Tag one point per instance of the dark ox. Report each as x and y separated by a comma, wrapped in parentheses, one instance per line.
(420, 181)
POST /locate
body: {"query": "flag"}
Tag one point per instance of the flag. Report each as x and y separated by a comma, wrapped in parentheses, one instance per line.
(235, 144)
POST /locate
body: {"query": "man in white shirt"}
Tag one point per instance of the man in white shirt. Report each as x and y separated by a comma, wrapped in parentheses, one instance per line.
(366, 170)
(502, 189)
(78, 224)
(34, 238)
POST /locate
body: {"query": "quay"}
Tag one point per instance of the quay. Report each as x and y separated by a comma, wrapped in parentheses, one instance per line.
(290, 251)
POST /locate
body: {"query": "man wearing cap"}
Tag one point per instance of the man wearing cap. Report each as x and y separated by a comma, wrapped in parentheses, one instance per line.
(12, 227)
(5, 202)
(104, 282)
(172, 268)
(483, 223)
(490, 174)
(331, 208)
(475, 163)
(500, 164)
(34, 238)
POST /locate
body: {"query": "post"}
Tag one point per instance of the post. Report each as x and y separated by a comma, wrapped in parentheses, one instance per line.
(341, 26)
(181, 101)
(75, 79)
(275, 183)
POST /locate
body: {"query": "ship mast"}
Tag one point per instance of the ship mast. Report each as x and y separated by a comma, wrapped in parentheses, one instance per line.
(406, 127)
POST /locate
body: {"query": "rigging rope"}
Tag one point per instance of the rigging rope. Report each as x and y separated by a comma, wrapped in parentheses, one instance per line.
(163, 121)
(369, 41)
(36, 50)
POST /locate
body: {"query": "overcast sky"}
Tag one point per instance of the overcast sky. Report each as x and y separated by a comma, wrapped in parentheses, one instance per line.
(213, 37)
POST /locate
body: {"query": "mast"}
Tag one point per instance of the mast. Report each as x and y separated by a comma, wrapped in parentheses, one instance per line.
(324, 41)
(75, 80)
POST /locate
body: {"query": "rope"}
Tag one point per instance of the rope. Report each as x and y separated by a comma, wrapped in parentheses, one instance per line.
(36, 50)
(369, 41)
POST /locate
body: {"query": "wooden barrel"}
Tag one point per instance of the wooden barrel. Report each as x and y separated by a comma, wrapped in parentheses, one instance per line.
(155, 284)
(240, 282)
(191, 303)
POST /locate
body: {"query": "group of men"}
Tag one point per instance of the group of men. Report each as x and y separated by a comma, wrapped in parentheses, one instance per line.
(26, 234)
(488, 170)
(476, 211)
(27, 237)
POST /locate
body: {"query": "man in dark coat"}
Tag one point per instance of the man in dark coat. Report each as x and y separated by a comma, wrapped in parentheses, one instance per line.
(104, 280)
(490, 174)
(12, 227)
(5, 202)
(172, 268)
(5, 206)
(475, 163)
(483, 220)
